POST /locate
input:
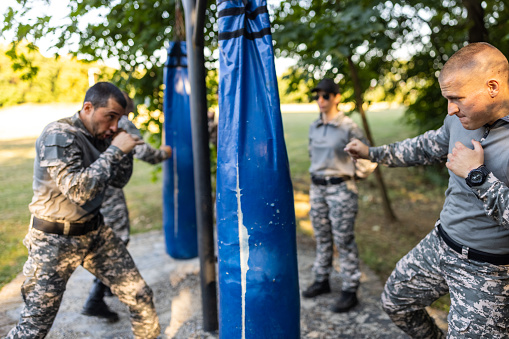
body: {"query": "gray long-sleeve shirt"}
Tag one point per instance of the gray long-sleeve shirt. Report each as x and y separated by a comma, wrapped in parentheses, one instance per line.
(475, 217)
(326, 146)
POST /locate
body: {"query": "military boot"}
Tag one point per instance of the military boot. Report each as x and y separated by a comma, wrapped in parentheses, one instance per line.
(107, 292)
(346, 301)
(95, 305)
(317, 288)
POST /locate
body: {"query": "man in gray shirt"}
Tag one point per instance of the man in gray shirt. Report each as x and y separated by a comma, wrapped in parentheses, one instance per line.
(467, 253)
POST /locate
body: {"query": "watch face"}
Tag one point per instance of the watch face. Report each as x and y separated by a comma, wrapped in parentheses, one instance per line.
(476, 177)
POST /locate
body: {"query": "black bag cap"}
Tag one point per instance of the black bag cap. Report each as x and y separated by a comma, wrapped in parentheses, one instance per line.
(327, 85)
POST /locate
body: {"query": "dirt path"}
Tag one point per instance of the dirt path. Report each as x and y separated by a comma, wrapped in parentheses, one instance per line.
(177, 296)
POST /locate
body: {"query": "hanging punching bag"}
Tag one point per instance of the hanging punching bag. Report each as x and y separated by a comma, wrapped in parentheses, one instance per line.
(257, 255)
(179, 214)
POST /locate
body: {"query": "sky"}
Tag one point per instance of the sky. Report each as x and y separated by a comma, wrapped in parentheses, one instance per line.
(59, 11)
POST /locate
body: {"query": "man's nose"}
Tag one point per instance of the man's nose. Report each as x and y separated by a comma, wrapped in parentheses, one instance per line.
(452, 108)
(114, 126)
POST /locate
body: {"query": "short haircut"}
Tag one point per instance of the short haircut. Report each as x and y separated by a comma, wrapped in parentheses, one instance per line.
(476, 57)
(130, 103)
(99, 94)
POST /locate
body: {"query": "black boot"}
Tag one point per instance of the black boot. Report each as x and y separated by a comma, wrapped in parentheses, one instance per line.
(346, 301)
(95, 305)
(317, 288)
(107, 292)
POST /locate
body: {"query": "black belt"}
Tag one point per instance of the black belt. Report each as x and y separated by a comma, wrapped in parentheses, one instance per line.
(328, 180)
(495, 259)
(72, 228)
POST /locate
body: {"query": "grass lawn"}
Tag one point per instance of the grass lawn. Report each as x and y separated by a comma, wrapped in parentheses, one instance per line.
(415, 200)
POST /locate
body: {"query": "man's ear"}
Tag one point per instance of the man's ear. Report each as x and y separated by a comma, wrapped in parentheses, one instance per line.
(493, 87)
(87, 109)
(337, 98)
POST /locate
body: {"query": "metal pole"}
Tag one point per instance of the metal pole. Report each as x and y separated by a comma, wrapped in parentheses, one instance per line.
(194, 17)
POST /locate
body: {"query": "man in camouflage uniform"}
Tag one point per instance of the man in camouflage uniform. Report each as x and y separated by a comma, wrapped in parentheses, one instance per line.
(76, 159)
(467, 253)
(333, 197)
(116, 215)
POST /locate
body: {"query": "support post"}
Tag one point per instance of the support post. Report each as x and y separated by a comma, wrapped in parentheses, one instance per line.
(194, 17)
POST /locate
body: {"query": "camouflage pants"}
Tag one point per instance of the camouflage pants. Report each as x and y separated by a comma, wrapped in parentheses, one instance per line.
(115, 213)
(51, 261)
(332, 214)
(479, 293)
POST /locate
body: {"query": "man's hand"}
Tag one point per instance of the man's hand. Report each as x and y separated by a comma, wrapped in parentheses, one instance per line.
(126, 141)
(357, 149)
(463, 159)
(167, 149)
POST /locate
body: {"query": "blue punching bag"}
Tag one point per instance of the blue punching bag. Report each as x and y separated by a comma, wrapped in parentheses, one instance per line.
(257, 252)
(179, 214)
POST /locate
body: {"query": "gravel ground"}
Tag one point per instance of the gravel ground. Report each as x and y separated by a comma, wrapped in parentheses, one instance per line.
(176, 289)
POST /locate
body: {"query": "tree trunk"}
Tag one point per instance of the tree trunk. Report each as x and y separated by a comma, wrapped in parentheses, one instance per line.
(389, 213)
(477, 31)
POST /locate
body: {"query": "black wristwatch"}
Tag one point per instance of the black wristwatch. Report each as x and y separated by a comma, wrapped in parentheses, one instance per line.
(477, 176)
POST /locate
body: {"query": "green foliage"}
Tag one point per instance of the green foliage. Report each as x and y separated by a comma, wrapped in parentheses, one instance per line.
(433, 31)
(62, 80)
(293, 88)
(323, 35)
(134, 33)
(396, 48)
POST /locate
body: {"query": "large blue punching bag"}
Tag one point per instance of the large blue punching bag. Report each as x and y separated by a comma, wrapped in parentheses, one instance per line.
(257, 254)
(179, 213)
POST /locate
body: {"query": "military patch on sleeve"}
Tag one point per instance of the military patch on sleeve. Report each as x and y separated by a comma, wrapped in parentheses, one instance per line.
(55, 148)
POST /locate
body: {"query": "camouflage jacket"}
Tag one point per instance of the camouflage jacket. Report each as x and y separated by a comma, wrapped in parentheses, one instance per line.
(475, 217)
(72, 170)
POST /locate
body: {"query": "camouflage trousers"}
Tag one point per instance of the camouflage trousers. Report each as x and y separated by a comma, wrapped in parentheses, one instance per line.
(479, 293)
(332, 214)
(51, 261)
(115, 213)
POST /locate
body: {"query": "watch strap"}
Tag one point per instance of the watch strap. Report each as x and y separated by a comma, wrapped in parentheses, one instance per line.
(484, 172)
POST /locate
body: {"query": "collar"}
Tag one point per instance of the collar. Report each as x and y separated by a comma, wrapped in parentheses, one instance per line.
(506, 118)
(335, 122)
(498, 122)
(78, 123)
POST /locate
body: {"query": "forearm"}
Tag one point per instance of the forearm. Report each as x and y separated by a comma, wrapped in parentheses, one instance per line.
(495, 197)
(149, 154)
(83, 184)
(424, 149)
(122, 171)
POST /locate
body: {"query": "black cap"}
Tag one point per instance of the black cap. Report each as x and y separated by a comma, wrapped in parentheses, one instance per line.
(327, 85)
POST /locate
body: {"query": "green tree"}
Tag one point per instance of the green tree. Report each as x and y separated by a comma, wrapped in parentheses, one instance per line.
(344, 40)
(433, 31)
(57, 80)
(134, 33)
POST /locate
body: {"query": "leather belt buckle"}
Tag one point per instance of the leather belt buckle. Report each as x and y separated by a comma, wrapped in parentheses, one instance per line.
(327, 180)
(473, 254)
(66, 228)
